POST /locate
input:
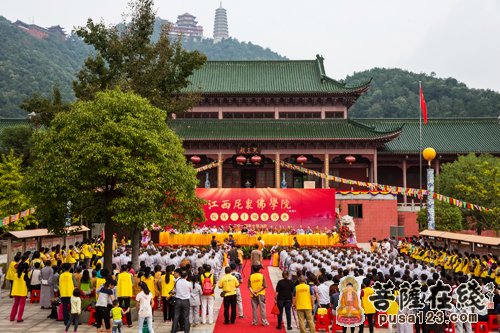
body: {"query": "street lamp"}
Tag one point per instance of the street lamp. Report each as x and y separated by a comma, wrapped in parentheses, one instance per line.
(429, 154)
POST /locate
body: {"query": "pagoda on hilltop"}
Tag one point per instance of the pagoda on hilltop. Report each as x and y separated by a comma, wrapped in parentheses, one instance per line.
(221, 30)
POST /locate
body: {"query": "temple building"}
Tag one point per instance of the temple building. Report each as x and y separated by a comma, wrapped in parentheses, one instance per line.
(255, 112)
(187, 26)
(221, 30)
(32, 29)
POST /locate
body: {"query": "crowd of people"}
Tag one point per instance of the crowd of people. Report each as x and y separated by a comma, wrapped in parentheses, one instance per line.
(182, 281)
(388, 261)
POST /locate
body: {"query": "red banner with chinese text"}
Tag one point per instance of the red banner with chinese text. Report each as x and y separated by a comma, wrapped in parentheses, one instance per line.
(277, 207)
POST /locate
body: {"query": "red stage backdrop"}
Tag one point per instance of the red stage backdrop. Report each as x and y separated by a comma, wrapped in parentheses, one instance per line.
(279, 207)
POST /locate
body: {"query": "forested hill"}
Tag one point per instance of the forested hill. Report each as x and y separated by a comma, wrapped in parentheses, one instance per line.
(394, 93)
(29, 65)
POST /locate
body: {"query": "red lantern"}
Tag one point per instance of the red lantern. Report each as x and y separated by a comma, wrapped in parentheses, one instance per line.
(195, 159)
(301, 159)
(256, 159)
(241, 159)
(350, 159)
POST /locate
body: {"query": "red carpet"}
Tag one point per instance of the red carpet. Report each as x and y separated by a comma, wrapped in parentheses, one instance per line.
(243, 324)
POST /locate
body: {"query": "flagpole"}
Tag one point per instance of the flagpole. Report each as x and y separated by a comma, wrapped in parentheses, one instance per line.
(420, 137)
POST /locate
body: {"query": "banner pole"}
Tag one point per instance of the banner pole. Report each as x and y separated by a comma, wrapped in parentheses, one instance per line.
(420, 139)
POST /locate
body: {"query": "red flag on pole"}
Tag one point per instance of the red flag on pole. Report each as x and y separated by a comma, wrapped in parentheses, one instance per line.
(423, 106)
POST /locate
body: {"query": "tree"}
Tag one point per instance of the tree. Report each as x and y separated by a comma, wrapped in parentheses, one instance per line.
(117, 162)
(17, 139)
(12, 198)
(474, 179)
(44, 109)
(447, 217)
(128, 59)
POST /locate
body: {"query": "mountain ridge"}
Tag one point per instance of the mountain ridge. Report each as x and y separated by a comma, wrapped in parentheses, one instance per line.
(29, 65)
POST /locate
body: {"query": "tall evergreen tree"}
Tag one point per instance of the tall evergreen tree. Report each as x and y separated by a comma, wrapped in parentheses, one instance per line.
(127, 58)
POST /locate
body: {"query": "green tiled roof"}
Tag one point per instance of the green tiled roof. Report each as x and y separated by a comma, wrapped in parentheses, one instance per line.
(277, 129)
(268, 77)
(8, 122)
(478, 135)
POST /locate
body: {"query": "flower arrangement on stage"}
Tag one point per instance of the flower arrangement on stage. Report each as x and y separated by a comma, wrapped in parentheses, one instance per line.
(251, 232)
(344, 233)
(293, 232)
(157, 227)
(172, 231)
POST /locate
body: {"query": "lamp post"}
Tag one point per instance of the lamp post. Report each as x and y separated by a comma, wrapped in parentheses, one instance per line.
(429, 154)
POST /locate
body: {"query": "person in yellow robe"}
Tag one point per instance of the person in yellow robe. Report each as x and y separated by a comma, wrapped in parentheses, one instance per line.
(19, 291)
(12, 270)
(167, 283)
(124, 290)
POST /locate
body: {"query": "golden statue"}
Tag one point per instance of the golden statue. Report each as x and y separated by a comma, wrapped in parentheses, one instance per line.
(349, 311)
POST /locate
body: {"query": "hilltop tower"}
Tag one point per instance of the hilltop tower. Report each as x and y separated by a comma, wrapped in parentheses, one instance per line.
(187, 26)
(221, 30)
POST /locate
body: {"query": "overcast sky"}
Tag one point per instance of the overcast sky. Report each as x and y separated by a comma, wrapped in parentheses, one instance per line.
(453, 38)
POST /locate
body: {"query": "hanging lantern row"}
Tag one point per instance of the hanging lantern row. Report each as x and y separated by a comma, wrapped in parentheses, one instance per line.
(301, 159)
(241, 160)
(350, 159)
(195, 159)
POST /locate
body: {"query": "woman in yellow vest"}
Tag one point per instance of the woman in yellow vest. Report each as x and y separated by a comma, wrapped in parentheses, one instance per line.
(167, 285)
(477, 266)
(66, 288)
(124, 291)
(12, 270)
(459, 265)
(87, 254)
(149, 280)
(19, 291)
(36, 259)
(466, 266)
(368, 307)
(70, 258)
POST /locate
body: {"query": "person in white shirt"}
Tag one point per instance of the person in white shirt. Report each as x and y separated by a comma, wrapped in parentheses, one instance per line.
(183, 290)
(145, 301)
(194, 303)
(323, 292)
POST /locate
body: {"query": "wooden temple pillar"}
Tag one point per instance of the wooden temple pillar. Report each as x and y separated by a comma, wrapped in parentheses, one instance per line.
(219, 170)
(326, 170)
(277, 170)
(436, 167)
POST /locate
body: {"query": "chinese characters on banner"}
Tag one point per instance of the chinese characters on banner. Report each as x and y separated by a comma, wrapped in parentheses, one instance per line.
(280, 207)
(437, 303)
